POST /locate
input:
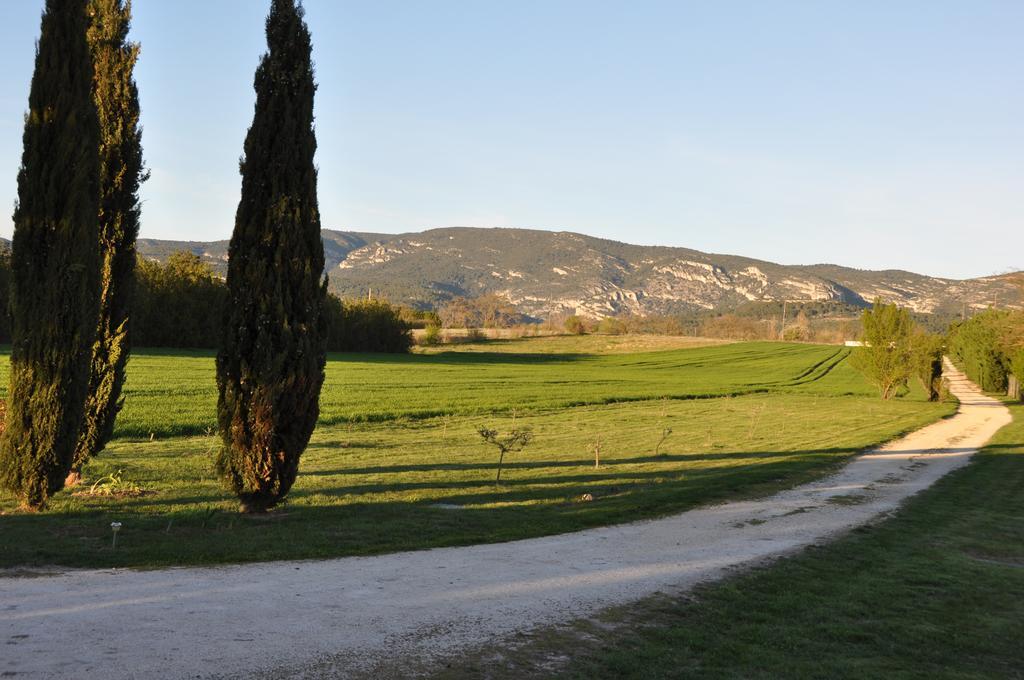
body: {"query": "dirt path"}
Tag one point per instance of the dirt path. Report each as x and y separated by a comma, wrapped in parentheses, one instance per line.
(338, 617)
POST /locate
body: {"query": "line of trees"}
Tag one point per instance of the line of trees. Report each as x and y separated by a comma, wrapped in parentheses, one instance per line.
(989, 347)
(73, 273)
(177, 304)
(180, 303)
(485, 311)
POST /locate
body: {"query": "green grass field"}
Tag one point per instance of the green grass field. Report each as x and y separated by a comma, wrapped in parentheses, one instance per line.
(396, 462)
(935, 592)
(173, 393)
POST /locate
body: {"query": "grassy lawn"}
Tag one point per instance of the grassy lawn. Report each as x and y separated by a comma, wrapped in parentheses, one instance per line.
(935, 592)
(172, 393)
(375, 479)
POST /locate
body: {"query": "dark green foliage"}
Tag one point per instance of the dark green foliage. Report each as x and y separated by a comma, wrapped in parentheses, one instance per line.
(886, 359)
(985, 346)
(1017, 364)
(926, 356)
(419, 318)
(178, 304)
(5, 285)
(181, 304)
(121, 173)
(55, 261)
(270, 366)
(975, 348)
(365, 326)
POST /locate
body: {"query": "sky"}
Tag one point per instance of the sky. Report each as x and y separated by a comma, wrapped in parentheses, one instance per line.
(873, 134)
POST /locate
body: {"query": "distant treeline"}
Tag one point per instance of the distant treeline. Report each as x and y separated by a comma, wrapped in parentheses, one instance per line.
(989, 347)
(811, 322)
(485, 311)
(179, 304)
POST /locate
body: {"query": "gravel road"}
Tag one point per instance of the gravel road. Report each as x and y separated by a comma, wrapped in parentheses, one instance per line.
(342, 617)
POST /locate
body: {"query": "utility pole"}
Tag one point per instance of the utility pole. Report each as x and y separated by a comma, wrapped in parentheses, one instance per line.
(782, 329)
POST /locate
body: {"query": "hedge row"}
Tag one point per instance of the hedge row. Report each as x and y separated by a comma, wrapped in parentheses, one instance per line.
(989, 348)
(179, 305)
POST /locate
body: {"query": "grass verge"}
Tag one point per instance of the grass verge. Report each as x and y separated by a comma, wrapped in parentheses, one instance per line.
(936, 591)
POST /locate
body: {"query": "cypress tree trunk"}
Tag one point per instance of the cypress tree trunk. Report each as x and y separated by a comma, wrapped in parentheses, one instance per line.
(55, 261)
(270, 365)
(121, 173)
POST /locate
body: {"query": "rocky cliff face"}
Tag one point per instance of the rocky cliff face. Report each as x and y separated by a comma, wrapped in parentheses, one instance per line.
(543, 273)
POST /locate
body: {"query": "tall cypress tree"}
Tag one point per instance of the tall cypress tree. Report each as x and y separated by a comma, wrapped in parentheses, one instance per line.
(121, 173)
(54, 261)
(270, 365)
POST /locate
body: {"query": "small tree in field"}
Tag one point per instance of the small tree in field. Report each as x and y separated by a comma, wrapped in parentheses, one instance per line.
(54, 261)
(515, 440)
(886, 359)
(270, 366)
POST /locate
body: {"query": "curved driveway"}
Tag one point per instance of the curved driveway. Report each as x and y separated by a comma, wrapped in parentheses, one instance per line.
(339, 617)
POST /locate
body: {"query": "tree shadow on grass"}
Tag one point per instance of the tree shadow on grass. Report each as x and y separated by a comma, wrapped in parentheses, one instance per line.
(455, 358)
(579, 462)
(483, 489)
(210, 533)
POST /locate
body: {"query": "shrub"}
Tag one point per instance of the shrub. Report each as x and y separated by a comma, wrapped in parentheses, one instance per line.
(611, 326)
(886, 358)
(432, 336)
(575, 325)
(926, 356)
(796, 334)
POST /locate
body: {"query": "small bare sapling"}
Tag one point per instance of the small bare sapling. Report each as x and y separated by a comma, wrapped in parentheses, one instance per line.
(515, 440)
(755, 419)
(665, 433)
(597, 453)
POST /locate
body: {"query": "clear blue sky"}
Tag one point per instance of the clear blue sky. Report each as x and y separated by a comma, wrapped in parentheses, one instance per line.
(874, 134)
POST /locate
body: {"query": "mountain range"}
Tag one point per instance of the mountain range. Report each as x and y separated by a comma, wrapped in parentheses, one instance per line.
(544, 273)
